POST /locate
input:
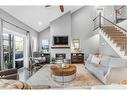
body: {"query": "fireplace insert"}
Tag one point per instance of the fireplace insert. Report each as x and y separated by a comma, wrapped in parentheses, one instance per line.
(60, 56)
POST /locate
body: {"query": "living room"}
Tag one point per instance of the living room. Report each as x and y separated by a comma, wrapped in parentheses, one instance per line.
(63, 47)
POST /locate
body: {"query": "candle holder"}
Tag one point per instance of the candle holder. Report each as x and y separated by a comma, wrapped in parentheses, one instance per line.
(64, 65)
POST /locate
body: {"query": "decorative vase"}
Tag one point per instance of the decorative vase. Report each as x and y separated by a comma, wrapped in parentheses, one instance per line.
(63, 65)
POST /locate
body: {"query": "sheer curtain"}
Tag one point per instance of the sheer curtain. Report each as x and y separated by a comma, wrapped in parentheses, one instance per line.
(1, 45)
(29, 48)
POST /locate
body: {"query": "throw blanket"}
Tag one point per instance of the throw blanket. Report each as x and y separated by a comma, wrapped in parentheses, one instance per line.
(13, 84)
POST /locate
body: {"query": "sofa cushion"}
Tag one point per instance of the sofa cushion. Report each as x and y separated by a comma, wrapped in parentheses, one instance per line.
(89, 58)
(102, 70)
(118, 62)
(98, 70)
(90, 67)
(105, 60)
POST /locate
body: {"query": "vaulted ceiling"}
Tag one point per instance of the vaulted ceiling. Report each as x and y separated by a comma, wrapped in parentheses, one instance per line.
(37, 17)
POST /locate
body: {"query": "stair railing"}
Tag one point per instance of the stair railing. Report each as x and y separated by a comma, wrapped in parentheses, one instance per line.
(96, 23)
(120, 14)
(102, 22)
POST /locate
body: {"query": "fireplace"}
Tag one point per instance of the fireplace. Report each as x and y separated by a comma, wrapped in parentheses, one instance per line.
(60, 56)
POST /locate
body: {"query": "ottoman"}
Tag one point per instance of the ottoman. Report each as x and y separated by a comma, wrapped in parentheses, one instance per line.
(66, 74)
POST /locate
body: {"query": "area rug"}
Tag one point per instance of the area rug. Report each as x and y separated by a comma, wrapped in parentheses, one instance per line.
(84, 79)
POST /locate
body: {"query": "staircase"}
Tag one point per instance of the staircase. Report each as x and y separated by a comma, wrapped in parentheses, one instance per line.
(117, 37)
(113, 34)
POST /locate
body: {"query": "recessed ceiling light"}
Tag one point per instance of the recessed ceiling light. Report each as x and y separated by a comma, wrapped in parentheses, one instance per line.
(39, 23)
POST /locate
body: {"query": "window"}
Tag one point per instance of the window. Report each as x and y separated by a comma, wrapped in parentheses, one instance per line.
(19, 43)
(34, 44)
(45, 46)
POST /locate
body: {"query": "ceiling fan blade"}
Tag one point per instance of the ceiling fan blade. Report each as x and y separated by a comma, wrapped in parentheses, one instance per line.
(61, 8)
(47, 5)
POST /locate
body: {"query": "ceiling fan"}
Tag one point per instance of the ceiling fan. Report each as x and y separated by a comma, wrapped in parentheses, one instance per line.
(60, 6)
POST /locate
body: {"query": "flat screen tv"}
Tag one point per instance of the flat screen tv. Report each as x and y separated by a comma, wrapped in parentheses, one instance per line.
(60, 40)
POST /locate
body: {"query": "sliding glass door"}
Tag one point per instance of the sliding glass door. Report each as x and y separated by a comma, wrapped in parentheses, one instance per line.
(19, 52)
(13, 51)
(15, 46)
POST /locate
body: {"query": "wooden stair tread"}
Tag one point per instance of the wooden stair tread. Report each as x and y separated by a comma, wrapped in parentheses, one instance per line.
(107, 28)
(120, 42)
(115, 34)
(118, 37)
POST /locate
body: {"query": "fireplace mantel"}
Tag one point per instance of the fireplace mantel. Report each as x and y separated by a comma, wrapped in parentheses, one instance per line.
(60, 46)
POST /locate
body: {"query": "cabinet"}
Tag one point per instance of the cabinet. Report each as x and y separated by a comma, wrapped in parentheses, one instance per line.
(77, 57)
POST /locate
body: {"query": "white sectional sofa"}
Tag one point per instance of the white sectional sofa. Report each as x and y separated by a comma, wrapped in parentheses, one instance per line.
(109, 70)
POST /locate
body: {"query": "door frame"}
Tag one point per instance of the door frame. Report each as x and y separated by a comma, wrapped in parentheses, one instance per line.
(14, 33)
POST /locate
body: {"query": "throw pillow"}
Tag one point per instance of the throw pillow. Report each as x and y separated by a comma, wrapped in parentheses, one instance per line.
(89, 58)
(96, 59)
(105, 60)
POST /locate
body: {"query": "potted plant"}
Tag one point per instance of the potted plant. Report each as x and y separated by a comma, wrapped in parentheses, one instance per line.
(53, 60)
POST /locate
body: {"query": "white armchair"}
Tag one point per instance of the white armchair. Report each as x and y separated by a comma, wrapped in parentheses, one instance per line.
(110, 70)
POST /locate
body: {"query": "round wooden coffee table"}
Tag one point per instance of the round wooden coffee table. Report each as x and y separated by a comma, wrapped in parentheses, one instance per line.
(66, 74)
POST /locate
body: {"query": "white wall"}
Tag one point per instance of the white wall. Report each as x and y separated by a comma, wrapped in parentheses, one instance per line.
(60, 27)
(123, 24)
(109, 13)
(106, 49)
(93, 44)
(17, 22)
(82, 26)
(44, 35)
